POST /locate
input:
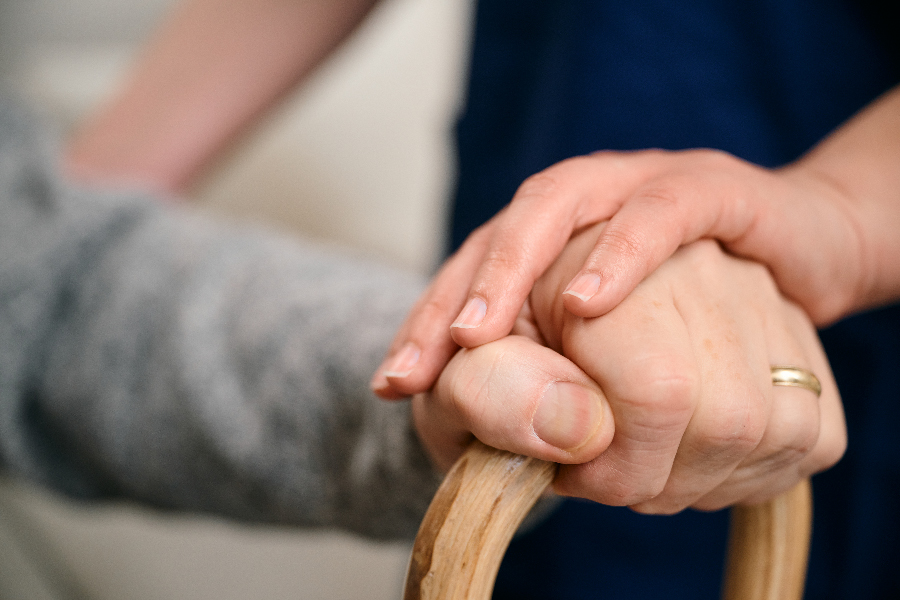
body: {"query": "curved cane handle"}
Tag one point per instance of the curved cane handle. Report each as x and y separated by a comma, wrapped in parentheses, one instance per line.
(488, 493)
(768, 547)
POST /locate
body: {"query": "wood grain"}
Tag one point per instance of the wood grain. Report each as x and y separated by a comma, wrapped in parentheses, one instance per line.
(768, 547)
(471, 521)
(488, 493)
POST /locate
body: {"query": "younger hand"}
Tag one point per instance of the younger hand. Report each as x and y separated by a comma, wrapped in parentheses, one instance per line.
(795, 222)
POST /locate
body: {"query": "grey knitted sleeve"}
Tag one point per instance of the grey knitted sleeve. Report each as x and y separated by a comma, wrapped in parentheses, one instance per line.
(152, 355)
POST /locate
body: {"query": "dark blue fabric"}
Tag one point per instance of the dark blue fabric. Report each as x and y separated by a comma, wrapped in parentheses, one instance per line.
(552, 79)
(765, 81)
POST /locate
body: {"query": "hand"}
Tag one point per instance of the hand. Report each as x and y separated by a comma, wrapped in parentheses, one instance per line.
(684, 363)
(516, 395)
(656, 202)
(683, 368)
(825, 226)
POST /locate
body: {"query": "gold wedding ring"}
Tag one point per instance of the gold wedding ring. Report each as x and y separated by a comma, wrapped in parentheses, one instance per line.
(796, 377)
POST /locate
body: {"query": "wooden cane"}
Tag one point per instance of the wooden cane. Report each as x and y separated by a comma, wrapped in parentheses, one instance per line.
(488, 493)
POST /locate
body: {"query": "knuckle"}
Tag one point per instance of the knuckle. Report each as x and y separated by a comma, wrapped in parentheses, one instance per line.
(805, 440)
(645, 492)
(475, 389)
(464, 387)
(624, 241)
(785, 457)
(616, 495)
(435, 305)
(478, 387)
(619, 481)
(663, 195)
(475, 242)
(431, 316)
(731, 434)
(509, 259)
(541, 186)
(482, 233)
(663, 387)
(796, 436)
(548, 184)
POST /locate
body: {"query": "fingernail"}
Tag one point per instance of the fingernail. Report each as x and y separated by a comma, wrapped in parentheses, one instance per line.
(584, 286)
(472, 314)
(402, 363)
(567, 415)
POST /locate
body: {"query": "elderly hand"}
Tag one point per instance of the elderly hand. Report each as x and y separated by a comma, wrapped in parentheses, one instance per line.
(682, 366)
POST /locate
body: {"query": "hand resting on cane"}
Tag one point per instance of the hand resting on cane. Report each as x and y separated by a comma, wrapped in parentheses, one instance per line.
(683, 412)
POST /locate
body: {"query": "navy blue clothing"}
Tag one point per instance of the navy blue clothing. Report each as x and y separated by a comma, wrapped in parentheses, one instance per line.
(551, 79)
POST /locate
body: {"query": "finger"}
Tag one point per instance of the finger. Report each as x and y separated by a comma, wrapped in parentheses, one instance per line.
(806, 434)
(703, 194)
(732, 336)
(514, 395)
(728, 425)
(776, 467)
(422, 345)
(529, 234)
(780, 460)
(647, 370)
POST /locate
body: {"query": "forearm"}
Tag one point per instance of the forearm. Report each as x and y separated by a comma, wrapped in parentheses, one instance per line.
(860, 163)
(156, 356)
(208, 370)
(210, 70)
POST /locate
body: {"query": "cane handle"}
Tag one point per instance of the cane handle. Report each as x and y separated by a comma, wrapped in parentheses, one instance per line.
(488, 493)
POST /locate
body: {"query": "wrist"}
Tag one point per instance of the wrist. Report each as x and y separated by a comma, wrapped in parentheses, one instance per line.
(841, 247)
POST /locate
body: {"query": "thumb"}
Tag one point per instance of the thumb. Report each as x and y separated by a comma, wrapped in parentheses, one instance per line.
(516, 395)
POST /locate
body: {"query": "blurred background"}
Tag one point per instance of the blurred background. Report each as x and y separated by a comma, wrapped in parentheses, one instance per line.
(360, 156)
